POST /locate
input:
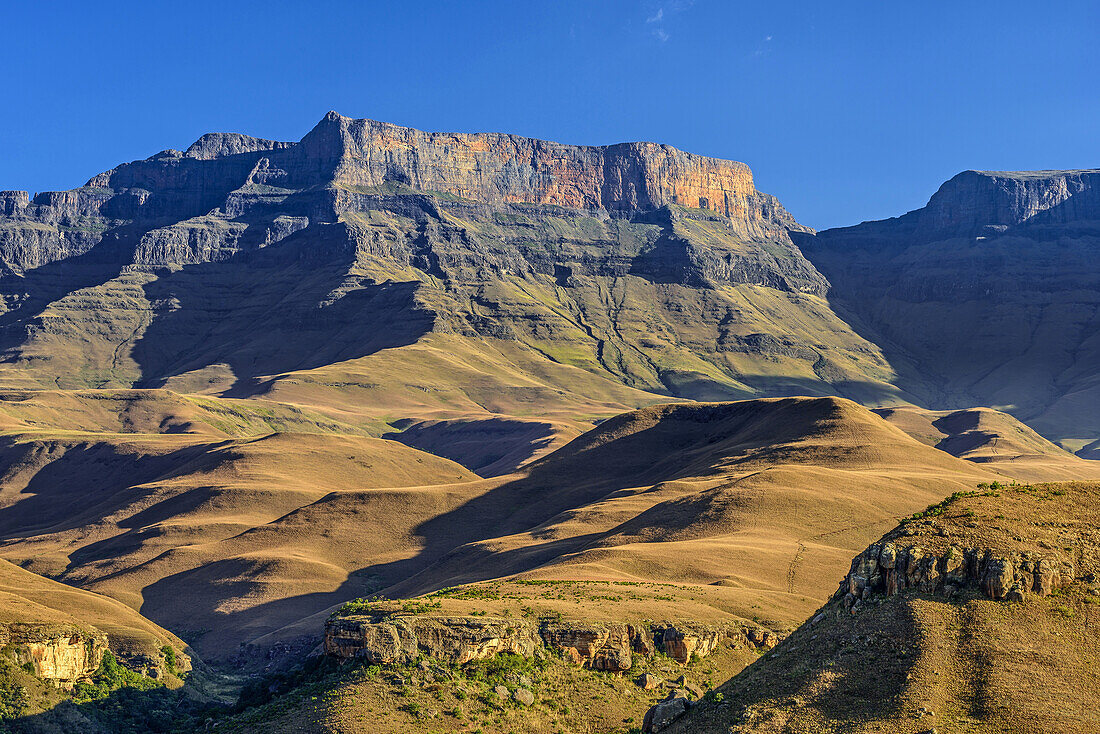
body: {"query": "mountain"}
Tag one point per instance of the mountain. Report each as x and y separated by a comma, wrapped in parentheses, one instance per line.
(385, 274)
(978, 615)
(244, 384)
(989, 295)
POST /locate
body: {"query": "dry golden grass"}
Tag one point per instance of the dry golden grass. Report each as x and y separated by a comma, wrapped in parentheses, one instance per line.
(27, 598)
(752, 507)
(994, 439)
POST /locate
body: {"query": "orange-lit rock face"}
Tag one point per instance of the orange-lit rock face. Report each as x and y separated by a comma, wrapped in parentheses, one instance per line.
(497, 168)
(228, 176)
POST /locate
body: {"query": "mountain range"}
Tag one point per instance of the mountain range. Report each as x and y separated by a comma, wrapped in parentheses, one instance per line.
(247, 383)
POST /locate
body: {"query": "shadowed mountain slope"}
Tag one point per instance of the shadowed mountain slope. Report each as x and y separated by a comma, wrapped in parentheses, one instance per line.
(989, 295)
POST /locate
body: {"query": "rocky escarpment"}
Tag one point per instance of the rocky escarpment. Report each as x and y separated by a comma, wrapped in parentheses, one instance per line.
(596, 645)
(666, 271)
(988, 295)
(953, 619)
(140, 206)
(497, 168)
(885, 570)
(64, 655)
(992, 201)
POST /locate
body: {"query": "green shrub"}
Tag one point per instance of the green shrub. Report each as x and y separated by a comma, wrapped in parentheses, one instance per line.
(13, 696)
(109, 678)
(381, 607)
(170, 660)
(496, 670)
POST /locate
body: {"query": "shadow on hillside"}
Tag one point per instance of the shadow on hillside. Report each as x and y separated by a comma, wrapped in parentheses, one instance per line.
(619, 456)
(124, 710)
(289, 306)
(847, 670)
(584, 471)
(82, 485)
(488, 447)
(27, 295)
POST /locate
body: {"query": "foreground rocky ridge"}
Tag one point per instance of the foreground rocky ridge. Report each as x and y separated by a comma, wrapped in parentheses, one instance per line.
(889, 568)
(953, 619)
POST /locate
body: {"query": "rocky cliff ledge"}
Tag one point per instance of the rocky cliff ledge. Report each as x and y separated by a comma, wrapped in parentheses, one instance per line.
(64, 655)
(974, 200)
(597, 645)
(887, 570)
(932, 557)
(498, 168)
(155, 211)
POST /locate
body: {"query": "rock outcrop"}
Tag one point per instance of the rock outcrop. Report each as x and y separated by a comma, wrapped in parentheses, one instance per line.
(681, 642)
(885, 569)
(457, 640)
(608, 646)
(598, 646)
(64, 655)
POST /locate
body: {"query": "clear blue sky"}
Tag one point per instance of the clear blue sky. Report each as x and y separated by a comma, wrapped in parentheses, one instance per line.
(845, 110)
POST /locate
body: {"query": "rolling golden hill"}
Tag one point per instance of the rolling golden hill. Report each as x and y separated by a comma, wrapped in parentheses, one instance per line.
(753, 505)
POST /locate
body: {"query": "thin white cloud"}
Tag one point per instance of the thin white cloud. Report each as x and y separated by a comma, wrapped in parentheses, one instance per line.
(656, 17)
(661, 35)
(767, 38)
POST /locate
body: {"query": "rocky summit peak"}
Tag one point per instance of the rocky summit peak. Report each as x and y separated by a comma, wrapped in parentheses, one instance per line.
(220, 145)
(239, 175)
(500, 168)
(973, 200)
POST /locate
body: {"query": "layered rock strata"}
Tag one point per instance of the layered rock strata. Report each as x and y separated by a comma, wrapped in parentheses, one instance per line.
(159, 210)
(64, 655)
(606, 646)
(885, 569)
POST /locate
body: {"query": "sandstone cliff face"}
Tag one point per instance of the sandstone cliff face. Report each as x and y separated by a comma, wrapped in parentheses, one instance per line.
(885, 570)
(456, 640)
(65, 656)
(497, 168)
(608, 646)
(235, 175)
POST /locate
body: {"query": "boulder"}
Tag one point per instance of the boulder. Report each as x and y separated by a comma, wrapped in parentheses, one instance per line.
(661, 715)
